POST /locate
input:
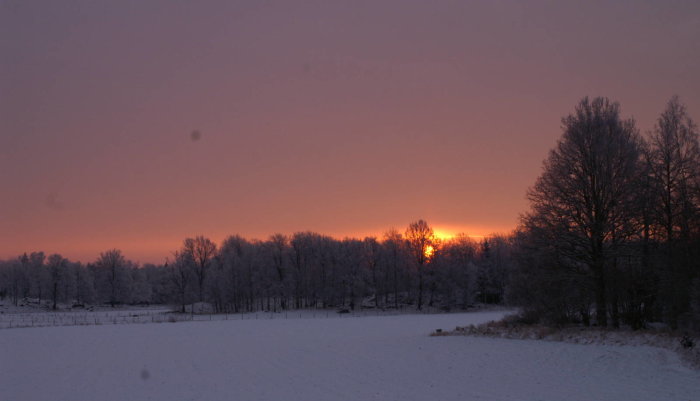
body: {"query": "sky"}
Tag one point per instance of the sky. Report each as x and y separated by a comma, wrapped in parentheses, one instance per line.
(136, 124)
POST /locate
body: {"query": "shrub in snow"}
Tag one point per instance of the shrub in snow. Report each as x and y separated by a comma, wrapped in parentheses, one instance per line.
(687, 341)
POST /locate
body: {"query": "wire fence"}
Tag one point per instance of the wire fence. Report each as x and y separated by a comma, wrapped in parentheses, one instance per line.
(88, 318)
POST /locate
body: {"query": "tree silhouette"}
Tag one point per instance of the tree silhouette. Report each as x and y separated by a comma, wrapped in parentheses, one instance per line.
(420, 239)
(586, 191)
(201, 251)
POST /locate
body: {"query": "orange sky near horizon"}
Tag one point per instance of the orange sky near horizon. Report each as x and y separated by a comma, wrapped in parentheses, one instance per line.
(161, 249)
(342, 118)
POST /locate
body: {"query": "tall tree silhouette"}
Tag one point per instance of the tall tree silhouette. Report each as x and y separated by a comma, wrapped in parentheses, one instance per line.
(420, 237)
(674, 166)
(586, 191)
(201, 251)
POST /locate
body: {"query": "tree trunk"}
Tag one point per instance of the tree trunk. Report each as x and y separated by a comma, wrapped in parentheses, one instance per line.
(396, 286)
(600, 305)
(55, 291)
(420, 287)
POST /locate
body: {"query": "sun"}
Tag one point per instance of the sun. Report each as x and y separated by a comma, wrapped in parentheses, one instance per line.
(429, 251)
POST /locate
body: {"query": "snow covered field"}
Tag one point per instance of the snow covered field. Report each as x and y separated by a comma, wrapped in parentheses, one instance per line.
(360, 358)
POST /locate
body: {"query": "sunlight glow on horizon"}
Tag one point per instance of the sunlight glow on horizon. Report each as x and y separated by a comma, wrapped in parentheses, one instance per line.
(446, 234)
(157, 251)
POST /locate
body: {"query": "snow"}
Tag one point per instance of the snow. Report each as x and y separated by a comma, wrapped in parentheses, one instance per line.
(353, 358)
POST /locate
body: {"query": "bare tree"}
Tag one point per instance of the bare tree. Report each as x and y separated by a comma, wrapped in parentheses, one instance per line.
(371, 256)
(111, 263)
(84, 284)
(674, 160)
(277, 248)
(301, 253)
(421, 239)
(57, 266)
(586, 191)
(233, 256)
(201, 251)
(16, 277)
(393, 245)
(179, 275)
(306, 270)
(674, 167)
(37, 274)
(460, 253)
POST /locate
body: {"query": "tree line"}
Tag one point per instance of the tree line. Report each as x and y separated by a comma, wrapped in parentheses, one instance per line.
(613, 233)
(304, 270)
(612, 237)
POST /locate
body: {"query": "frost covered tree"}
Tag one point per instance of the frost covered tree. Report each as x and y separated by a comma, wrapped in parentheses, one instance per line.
(200, 250)
(421, 239)
(57, 273)
(305, 270)
(461, 253)
(586, 193)
(37, 275)
(179, 276)
(276, 247)
(233, 258)
(352, 272)
(110, 266)
(371, 257)
(494, 267)
(15, 277)
(674, 167)
(141, 288)
(84, 284)
(395, 261)
(301, 258)
(674, 160)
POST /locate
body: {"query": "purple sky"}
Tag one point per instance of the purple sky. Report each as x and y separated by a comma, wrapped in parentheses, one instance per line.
(342, 117)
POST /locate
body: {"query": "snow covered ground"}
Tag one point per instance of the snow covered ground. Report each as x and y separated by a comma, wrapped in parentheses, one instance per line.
(355, 358)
